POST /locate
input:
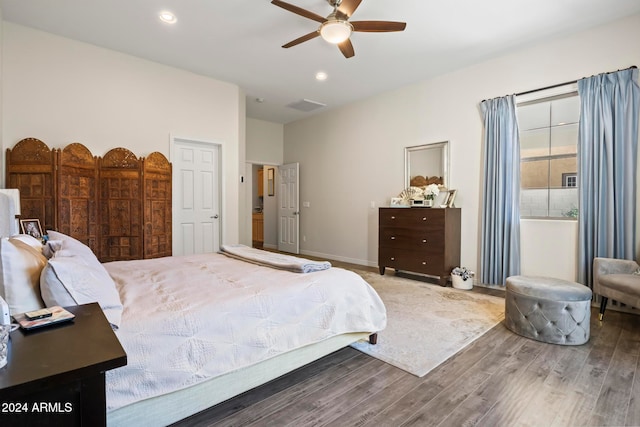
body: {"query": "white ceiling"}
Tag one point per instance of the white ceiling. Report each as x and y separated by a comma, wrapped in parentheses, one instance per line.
(240, 41)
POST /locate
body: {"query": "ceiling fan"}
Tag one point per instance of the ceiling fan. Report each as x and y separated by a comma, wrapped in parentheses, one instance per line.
(336, 27)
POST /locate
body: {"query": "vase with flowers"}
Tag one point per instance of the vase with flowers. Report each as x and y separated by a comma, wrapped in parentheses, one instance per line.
(430, 193)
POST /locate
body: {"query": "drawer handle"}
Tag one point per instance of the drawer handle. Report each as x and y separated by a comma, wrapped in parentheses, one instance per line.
(393, 259)
(424, 262)
(393, 237)
(424, 240)
(393, 217)
(424, 218)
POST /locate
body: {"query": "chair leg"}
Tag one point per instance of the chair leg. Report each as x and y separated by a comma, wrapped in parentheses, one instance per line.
(603, 306)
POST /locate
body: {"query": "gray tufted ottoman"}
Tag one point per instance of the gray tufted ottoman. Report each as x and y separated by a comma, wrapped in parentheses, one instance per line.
(548, 310)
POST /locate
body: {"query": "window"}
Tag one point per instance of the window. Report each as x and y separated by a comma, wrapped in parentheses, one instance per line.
(548, 156)
(569, 179)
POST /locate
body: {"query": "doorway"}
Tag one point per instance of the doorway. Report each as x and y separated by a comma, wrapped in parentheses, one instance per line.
(257, 203)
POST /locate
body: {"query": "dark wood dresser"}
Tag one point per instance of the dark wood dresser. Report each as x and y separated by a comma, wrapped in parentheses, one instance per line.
(419, 240)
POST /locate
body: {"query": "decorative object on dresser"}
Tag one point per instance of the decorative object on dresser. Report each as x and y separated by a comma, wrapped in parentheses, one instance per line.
(118, 204)
(425, 241)
(430, 193)
(410, 195)
(448, 203)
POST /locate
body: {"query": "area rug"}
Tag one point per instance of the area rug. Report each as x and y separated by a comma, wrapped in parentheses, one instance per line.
(427, 323)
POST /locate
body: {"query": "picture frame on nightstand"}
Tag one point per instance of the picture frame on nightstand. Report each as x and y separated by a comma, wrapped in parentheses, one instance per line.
(31, 227)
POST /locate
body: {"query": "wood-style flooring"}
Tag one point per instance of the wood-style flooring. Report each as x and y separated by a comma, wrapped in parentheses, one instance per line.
(501, 379)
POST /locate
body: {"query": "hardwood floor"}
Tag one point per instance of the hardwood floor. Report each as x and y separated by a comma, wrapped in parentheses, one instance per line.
(501, 379)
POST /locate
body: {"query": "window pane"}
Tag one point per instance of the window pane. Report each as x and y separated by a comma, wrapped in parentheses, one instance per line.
(560, 167)
(564, 139)
(534, 143)
(563, 202)
(534, 174)
(534, 116)
(565, 110)
(534, 202)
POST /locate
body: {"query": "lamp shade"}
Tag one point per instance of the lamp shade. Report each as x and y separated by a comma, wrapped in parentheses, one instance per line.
(335, 31)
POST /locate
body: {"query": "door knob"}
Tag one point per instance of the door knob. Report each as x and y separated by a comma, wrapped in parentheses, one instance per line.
(215, 216)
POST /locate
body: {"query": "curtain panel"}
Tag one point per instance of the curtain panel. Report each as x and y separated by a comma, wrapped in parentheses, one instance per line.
(607, 157)
(500, 229)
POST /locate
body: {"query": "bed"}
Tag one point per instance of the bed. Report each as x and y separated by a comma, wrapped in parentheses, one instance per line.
(198, 329)
(73, 191)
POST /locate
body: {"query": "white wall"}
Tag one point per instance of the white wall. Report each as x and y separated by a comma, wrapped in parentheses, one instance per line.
(62, 91)
(264, 142)
(353, 156)
(542, 244)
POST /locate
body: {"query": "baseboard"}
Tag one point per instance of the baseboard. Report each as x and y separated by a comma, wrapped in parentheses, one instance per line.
(339, 258)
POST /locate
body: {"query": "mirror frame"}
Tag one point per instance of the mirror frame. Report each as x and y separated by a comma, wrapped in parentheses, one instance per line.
(443, 145)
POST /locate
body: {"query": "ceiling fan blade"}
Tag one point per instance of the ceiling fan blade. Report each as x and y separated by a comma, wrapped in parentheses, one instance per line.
(347, 7)
(378, 26)
(299, 11)
(346, 48)
(302, 39)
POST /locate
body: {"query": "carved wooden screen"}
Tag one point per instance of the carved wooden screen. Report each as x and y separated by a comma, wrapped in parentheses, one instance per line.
(30, 168)
(120, 208)
(157, 206)
(77, 199)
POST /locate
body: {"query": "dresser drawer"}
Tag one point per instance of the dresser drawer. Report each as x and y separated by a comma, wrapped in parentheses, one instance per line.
(426, 219)
(411, 239)
(399, 259)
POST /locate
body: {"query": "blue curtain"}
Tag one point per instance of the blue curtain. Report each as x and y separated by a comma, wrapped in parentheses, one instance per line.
(607, 153)
(500, 246)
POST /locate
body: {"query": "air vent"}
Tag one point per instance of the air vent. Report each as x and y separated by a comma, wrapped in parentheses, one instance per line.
(306, 105)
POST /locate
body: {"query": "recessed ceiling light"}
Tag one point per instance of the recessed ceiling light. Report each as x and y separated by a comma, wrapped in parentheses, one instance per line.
(168, 17)
(321, 76)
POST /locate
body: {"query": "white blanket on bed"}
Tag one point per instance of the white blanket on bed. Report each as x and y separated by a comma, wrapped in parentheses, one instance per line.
(188, 319)
(274, 259)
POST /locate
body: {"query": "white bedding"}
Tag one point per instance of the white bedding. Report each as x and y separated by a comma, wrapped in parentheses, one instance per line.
(189, 319)
(274, 259)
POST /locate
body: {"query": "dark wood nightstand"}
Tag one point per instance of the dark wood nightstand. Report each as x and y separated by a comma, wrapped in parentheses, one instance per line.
(56, 375)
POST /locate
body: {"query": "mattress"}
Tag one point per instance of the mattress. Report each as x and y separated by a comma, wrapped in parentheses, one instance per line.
(190, 319)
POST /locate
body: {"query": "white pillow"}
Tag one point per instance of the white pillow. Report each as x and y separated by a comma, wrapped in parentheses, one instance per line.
(74, 276)
(73, 280)
(76, 247)
(20, 268)
(29, 240)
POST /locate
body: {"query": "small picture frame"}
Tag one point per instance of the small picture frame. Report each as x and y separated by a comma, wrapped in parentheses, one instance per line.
(31, 227)
(450, 198)
(396, 202)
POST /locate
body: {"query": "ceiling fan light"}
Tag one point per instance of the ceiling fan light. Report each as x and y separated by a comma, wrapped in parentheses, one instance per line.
(335, 31)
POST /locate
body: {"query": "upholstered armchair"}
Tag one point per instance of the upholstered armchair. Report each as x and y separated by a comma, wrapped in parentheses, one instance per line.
(618, 279)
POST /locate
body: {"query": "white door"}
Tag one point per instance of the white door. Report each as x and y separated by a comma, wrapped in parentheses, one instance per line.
(288, 208)
(196, 197)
